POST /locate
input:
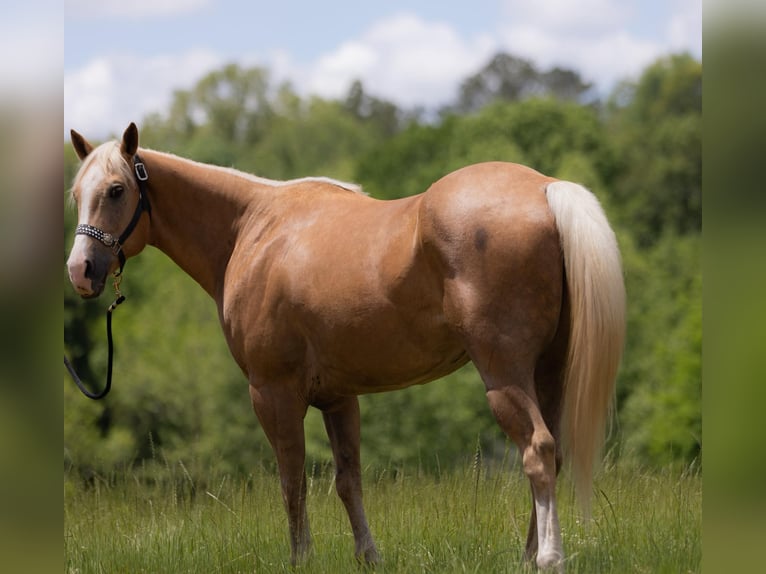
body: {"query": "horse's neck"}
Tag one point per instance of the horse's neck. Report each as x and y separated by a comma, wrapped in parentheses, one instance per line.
(196, 212)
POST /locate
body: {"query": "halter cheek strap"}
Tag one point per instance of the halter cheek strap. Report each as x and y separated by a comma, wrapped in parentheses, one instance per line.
(115, 244)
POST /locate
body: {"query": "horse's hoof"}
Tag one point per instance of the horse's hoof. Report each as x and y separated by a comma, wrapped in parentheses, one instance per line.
(552, 562)
(369, 557)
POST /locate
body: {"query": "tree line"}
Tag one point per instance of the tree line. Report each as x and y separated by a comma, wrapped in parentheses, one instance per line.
(179, 396)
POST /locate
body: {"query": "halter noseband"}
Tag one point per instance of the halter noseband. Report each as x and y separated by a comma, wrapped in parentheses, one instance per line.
(115, 244)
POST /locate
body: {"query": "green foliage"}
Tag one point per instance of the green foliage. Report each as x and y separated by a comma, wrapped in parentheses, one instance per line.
(451, 413)
(178, 396)
(335, 136)
(656, 127)
(408, 163)
(662, 373)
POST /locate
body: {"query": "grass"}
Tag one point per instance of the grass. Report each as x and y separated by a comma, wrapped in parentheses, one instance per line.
(164, 521)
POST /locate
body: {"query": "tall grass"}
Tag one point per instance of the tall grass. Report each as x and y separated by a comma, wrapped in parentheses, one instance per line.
(162, 520)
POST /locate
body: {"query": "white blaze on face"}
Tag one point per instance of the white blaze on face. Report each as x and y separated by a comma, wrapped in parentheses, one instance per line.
(77, 262)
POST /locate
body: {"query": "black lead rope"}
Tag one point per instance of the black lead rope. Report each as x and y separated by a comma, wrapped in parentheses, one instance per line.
(110, 344)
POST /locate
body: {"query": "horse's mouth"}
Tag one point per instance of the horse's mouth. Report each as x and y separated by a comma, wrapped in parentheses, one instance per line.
(92, 292)
(91, 295)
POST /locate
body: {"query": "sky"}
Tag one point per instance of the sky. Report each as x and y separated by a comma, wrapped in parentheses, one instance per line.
(123, 60)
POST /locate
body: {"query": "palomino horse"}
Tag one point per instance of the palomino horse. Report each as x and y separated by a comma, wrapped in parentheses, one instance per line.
(324, 294)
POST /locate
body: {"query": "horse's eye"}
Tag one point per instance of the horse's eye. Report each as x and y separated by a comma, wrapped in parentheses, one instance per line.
(115, 190)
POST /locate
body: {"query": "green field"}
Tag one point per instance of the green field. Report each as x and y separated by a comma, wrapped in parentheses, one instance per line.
(161, 520)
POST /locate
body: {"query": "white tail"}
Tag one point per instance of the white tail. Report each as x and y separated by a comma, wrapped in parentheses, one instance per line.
(597, 331)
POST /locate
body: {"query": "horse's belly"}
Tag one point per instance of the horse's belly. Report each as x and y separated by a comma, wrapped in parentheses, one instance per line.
(384, 351)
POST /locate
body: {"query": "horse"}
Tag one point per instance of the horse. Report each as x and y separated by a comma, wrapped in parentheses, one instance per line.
(324, 293)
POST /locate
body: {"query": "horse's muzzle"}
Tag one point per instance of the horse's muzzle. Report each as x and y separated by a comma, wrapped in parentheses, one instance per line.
(88, 270)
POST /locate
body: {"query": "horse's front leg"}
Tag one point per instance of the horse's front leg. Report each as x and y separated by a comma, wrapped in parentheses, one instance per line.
(281, 414)
(342, 423)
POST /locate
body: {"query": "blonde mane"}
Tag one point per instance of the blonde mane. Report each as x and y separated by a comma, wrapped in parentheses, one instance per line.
(356, 188)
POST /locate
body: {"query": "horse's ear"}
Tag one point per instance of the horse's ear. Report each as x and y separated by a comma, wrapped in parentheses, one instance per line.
(130, 141)
(81, 146)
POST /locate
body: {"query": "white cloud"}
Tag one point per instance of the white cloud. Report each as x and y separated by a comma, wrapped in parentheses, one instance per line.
(603, 59)
(583, 17)
(134, 9)
(402, 58)
(111, 91)
(593, 37)
(684, 30)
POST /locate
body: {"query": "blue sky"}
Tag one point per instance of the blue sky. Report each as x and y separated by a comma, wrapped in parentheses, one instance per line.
(124, 59)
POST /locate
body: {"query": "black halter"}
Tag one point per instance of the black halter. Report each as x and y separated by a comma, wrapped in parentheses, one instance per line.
(115, 244)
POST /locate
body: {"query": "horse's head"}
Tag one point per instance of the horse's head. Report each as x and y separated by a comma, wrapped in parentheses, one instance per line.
(110, 202)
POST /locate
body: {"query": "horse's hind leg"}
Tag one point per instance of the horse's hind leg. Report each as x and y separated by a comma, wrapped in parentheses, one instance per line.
(509, 350)
(281, 415)
(549, 390)
(342, 423)
(517, 412)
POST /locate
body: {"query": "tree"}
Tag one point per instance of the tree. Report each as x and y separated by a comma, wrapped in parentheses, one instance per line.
(408, 163)
(656, 127)
(510, 78)
(382, 116)
(226, 110)
(660, 390)
(318, 137)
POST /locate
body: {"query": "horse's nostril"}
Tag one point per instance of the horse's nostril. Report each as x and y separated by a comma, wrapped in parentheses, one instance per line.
(88, 269)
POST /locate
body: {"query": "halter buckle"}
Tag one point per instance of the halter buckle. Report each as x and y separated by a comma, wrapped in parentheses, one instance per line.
(140, 170)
